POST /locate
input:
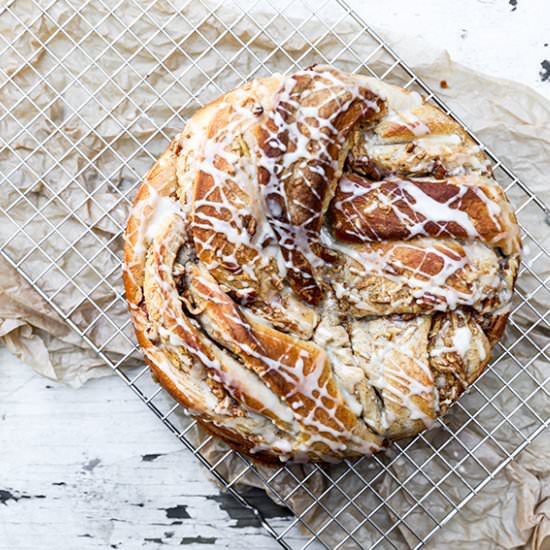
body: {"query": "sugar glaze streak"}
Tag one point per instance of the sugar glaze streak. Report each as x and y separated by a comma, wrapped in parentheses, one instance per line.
(319, 264)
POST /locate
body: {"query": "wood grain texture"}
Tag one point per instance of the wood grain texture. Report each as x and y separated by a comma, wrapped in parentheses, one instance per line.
(94, 469)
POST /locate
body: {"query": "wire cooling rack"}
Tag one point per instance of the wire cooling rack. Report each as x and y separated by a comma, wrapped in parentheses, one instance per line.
(94, 92)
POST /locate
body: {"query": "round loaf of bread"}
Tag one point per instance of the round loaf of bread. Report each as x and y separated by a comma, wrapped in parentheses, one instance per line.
(318, 264)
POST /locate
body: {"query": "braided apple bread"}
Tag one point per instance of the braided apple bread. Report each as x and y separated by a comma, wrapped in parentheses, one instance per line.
(320, 263)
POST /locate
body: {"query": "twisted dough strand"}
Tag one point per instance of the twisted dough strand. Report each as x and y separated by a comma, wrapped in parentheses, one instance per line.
(318, 264)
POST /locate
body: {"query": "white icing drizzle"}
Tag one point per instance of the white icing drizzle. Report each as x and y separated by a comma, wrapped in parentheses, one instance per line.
(311, 383)
(436, 211)
(481, 350)
(301, 143)
(250, 237)
(144, 211)
(421, 283)
(414, 208)
(462, 339)
(177, 332)
(399, 372)
(163, 208)
(221, 212)
(437, 140)
(410, 121)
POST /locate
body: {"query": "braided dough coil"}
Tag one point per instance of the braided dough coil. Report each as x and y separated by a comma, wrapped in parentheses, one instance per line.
(320, 263)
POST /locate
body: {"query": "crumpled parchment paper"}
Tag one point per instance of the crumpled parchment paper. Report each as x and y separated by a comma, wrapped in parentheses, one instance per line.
(73, 145)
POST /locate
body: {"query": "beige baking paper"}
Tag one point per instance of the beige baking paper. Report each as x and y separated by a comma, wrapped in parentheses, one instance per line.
(514, 510)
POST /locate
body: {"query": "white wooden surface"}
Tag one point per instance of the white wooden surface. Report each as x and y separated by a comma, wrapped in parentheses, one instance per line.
(92, 468)
(504, 38)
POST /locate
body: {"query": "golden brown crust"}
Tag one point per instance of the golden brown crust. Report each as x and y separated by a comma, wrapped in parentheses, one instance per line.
(418, 140)
(161, 181)
(398, 209)
(222, 197)
(421, 276)
(457, 366)
(300, 157)
(298, 335)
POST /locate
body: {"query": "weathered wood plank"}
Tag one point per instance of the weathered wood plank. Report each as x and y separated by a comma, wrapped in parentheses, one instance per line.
(93, 468)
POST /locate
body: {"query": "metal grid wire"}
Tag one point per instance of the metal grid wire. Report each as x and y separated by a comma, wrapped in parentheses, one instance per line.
(437, 472)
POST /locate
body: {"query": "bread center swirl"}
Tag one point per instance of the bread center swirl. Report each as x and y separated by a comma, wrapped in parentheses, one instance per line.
(301, 149)
(319, 263)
